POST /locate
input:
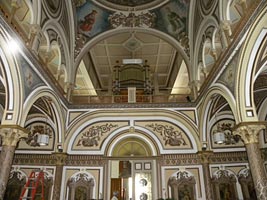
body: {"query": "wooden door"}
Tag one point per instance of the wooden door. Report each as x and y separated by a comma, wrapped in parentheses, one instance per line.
(115, 187)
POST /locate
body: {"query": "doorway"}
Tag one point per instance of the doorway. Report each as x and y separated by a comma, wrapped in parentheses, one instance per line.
(131, 179)
(131, 170)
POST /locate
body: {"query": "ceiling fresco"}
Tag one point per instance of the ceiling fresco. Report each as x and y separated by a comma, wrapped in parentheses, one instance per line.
(130, 2)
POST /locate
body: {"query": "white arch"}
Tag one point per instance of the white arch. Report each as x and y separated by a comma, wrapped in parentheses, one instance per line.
(51, 24)
(126, 128)
(112, 32)
(13, 79)
(217, 89)
(207, 22)
(247, 69)
(57, 107)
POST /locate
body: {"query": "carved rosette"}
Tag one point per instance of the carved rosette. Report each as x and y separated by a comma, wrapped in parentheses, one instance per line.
(143, 19)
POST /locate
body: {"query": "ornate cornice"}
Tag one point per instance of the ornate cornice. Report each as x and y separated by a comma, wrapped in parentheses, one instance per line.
(97, 160)
(202, 157)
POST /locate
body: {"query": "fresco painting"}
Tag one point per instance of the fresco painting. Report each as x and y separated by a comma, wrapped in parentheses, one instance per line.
(91, 20)
(31, 79)
(172, 17)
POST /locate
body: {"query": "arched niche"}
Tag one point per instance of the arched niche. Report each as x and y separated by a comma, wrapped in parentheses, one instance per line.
(16, 182)
(247, 185)
(182, 185)
(224, 184)
(81, 186)
(217, 107)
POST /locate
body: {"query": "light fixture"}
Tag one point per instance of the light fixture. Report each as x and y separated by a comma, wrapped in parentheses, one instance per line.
(224, 134)
(42, 139)
(132, 61)
(218, 137)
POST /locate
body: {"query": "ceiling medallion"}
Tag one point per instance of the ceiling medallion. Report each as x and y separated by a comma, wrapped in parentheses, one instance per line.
(132, 44)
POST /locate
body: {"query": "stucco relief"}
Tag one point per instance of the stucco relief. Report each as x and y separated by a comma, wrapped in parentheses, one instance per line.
(170, 135)
(93, 136)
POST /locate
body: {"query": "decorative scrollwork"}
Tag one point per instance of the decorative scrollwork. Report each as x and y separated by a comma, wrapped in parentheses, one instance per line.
(81, 176)
(224, 174)
(132, 20)
(170, 136)
(92, 136)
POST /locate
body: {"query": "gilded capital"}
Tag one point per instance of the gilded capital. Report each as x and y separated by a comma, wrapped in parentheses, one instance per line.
(205, 156)
(60, 158)
(11, 134)
(249, 131)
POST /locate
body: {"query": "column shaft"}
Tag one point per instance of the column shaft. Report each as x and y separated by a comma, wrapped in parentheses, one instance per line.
(57, 183)
(60, 161)
(207, 181)
(257, 170)
(6, 159)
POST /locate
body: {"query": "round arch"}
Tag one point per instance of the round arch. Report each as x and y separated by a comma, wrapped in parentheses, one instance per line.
(54, 26)
(183, 121)
(55, 106)
(247, 69)
(137, 134)
(110, 33)
(11, 79)
(206, 23)
(218, 89)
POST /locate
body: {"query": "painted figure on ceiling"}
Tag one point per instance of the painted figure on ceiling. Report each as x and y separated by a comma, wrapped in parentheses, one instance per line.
(87, 23)
(176, 22)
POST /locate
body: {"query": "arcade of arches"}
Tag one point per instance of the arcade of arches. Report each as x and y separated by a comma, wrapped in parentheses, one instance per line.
(144, 100)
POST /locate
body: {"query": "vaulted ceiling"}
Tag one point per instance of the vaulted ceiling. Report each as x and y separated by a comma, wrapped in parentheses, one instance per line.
(79, 43)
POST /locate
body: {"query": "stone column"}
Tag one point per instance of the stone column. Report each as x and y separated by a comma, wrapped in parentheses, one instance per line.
(60, 162)
(249, 133)
(205, 158)
(10, 135)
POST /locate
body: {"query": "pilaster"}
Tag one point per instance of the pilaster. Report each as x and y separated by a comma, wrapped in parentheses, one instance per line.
(60, 159)
(205, 160)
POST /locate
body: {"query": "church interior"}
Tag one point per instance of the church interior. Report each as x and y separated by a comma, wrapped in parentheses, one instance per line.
(133, 100)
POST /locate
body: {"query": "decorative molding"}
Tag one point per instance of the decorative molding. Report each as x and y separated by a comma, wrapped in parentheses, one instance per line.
(120, 19)
(93, 135)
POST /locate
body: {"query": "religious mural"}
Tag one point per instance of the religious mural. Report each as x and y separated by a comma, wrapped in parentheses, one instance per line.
(91, 20)
(171, 18)
(31, 79)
